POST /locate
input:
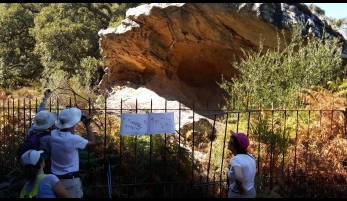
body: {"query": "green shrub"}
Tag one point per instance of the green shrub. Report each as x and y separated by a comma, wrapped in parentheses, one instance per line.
(271, 80)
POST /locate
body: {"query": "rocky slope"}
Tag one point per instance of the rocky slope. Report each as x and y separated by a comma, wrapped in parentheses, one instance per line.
(179, 51)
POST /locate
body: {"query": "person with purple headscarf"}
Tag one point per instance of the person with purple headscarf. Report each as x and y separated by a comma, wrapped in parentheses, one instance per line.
(242, 169)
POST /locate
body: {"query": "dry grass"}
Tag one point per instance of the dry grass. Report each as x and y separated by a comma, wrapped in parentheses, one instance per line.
(314, 164)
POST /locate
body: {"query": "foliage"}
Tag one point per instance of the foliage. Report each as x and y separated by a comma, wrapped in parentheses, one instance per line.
(338, 23)
(317, 9)
(18, 62)
(338, 87)
(294, 151)
(268, 131)
(120, 11)
(25, 92)
(308, 144)
(132, 159)
(300, 137)
(273, 139)
(271, 79)
(327, 133)
(66, 32)
(66, 58)
(38, 39)
(321, 98)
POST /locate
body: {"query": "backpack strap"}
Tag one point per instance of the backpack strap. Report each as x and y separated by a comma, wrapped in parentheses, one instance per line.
(34, 190)
(42, 133)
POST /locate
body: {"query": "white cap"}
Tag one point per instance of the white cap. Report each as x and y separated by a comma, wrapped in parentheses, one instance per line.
(31, 156)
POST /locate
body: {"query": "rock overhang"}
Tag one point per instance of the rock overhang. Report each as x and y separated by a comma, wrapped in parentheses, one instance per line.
(180, 51)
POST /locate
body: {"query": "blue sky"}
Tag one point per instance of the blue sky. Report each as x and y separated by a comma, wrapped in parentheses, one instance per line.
(333, 10)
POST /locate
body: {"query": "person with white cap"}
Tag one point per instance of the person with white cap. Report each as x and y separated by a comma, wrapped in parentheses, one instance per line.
(65, 144)
(41, 127)
(38, 184)
(242, 169)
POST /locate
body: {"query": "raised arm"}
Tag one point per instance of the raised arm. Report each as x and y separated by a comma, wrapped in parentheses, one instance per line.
(46, 94)
(90, 134)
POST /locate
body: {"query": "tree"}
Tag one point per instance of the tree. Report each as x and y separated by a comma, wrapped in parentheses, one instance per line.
(120, 12)
(67, 38)
(67, 32)
(18, 61)
(36, 39)
(273, 78)
(313, 7)
(339, 24)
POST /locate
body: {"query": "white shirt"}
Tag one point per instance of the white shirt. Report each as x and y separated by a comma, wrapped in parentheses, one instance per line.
(248, 166)
(64, 151)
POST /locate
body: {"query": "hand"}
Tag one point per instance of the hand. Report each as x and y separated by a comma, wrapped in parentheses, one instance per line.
(47, 93)
(241, 189)
(85, 118)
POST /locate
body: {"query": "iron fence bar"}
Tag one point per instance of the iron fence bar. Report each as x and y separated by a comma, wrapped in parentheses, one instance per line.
(272, 162)
(6, 132)
(120, 145)
(13, 125)
(88, 148)
(179, 147)
(308, 137)
(109, 180)
(135, 150)
(223, 156)
(320, 125)
(296, 142)
(165, 147)
(187, 182)
(12, 133)
(209, 158)
(150, 143)
(24, 119)
(259, 157)
(331, 119)
(283, 136)
(193, 141)
(2, 140)
(16, 135)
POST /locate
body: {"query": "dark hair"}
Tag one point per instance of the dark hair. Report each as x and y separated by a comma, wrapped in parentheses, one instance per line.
(237, 146)
(30, 171)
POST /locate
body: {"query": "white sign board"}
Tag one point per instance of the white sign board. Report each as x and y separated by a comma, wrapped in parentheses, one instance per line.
(144, 124)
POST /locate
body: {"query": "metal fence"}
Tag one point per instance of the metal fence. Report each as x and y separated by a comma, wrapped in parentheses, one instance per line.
(294, 149)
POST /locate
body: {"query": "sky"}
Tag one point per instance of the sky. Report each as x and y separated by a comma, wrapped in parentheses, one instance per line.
(333, 10)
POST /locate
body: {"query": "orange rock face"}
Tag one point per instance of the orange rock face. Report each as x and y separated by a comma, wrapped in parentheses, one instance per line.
(181, 50)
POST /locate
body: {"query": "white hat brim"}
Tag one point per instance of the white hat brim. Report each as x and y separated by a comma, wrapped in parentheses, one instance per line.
(65, 120)
(50, 122)
(31, 159)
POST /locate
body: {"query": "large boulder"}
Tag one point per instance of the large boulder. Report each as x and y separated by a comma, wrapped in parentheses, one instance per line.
(180, 51)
